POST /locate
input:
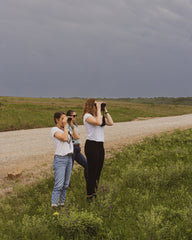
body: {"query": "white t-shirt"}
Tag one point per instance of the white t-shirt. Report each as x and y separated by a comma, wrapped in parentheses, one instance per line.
(94, 132)
(61, 148)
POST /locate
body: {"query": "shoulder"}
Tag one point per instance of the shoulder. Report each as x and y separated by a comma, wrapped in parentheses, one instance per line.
(54, 130)
(86, 116)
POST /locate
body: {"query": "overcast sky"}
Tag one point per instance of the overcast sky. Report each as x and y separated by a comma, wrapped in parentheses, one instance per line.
(96, 48)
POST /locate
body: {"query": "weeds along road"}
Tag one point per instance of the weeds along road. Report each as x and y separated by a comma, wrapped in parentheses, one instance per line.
(32, 149)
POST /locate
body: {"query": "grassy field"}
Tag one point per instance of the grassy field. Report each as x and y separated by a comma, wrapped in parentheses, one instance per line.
(25, 113)
(145, 193)
(161, 100)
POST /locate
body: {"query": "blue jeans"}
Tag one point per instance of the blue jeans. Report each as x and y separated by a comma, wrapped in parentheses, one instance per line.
(79, 158)
(62, 166)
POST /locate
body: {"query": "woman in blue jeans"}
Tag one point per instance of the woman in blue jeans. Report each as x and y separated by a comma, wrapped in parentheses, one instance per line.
(62, 163)
(77, 155)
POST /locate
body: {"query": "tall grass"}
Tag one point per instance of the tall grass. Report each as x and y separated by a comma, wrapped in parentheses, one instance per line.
(161, 100)
(145, 193)
(24, 113)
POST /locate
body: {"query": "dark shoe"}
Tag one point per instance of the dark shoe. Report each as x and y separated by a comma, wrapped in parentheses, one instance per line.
(95, 195)
(89, 198)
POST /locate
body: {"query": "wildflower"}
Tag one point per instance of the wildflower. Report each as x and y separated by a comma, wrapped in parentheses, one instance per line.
(55, 214)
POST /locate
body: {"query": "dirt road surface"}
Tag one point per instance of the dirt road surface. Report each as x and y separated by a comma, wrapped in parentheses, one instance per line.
(33, 150)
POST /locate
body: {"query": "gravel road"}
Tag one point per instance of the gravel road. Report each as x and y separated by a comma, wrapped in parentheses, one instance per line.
(29, 149)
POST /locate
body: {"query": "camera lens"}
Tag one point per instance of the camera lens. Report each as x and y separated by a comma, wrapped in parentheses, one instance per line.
(103, 106)
(69, 119)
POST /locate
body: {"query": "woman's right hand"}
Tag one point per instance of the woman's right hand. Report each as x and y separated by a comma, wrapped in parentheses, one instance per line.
(65, 121)
(98, 104)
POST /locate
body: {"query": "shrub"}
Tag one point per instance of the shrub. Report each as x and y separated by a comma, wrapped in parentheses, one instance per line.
(79, 223)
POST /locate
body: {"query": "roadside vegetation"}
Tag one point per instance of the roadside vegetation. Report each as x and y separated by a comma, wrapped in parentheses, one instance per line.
(145, 193)
(27, 113)
(160, 100)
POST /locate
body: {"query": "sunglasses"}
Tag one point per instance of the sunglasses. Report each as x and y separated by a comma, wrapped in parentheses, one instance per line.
(74, 115)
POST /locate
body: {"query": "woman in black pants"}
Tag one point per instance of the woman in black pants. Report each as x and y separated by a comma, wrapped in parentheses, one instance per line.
(94, 147)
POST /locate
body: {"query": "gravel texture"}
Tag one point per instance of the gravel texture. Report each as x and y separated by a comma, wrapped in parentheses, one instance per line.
(33, 149)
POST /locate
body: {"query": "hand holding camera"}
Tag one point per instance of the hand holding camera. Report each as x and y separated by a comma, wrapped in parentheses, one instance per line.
(65, 119)
(70, 122)
(103, 105)
(69, 119)
(100, 105)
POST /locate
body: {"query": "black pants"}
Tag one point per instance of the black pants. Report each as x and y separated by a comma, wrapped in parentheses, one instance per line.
(95, 155)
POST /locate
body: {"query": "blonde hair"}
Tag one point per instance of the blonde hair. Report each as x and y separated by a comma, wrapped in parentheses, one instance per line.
(89, 106)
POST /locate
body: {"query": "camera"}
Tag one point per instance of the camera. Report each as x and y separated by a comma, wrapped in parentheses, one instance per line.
(103, 106)
(69, 119)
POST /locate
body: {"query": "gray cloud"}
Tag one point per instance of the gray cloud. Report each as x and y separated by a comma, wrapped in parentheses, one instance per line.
(103, 48)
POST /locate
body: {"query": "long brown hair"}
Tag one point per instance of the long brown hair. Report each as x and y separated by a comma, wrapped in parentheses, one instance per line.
(89, 106)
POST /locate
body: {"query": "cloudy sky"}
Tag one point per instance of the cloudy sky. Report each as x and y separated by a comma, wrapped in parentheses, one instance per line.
(96, 48)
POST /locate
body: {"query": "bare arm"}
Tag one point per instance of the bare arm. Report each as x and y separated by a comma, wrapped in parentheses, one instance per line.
(74, 134)
(108, 119)
(63, 136)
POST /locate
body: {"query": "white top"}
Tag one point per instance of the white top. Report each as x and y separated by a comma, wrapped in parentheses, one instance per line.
(94, 132)
(61, 148)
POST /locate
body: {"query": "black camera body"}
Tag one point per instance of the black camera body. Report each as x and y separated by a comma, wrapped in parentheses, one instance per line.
(103, 105)
(69, 119)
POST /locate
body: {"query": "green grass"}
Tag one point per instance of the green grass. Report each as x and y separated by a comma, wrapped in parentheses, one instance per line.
(25, 113)
(145, 193)
(160, 100)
